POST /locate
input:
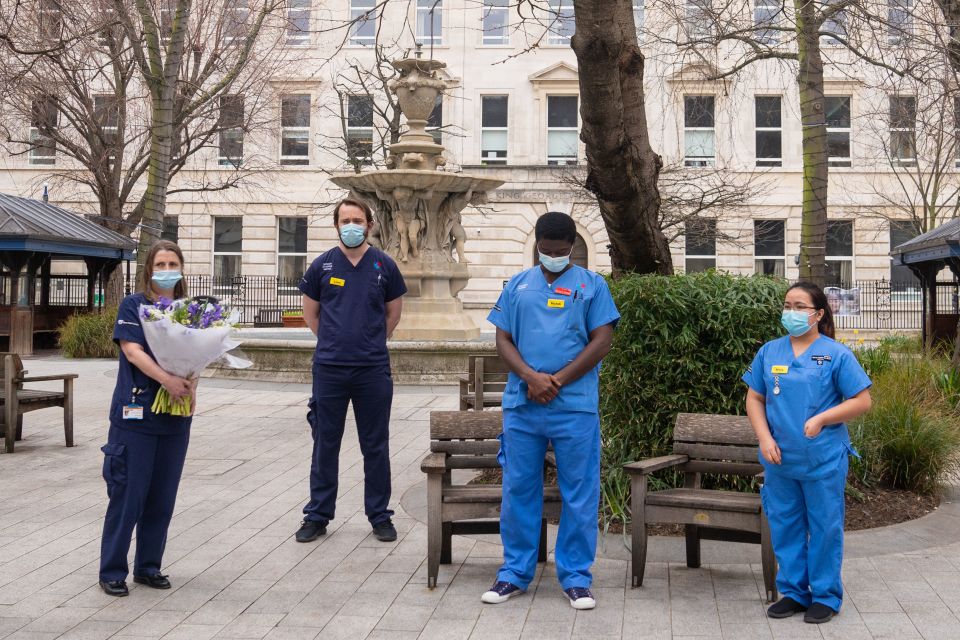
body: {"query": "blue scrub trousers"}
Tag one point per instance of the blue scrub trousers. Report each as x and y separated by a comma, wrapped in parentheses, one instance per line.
(142, 472)
(806, 516)
(576, 442)
(371, 390)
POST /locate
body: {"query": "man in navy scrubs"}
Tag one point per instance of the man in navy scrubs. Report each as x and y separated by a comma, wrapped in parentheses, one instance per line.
(352, 303)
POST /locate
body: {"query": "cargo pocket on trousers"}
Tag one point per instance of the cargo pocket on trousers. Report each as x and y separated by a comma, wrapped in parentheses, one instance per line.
(114, 467)
(501, 455)
(312, 417)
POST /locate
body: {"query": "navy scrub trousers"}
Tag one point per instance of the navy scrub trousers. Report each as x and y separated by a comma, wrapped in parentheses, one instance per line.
(142, 463)
(351, 365)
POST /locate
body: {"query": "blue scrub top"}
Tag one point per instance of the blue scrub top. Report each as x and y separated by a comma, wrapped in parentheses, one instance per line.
(822, 377)
(550, 325)
(353, 316)
(133, 385)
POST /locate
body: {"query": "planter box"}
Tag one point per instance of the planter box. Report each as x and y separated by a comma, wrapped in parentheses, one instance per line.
(293, 322)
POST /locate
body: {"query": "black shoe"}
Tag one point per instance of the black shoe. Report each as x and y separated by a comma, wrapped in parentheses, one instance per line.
(784, 608)
(385, 531)
(310, 530)
(116, 588)
(818, 613)
(156, 581)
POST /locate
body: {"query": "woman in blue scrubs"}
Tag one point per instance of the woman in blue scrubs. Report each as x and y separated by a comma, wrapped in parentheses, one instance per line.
(554, 324)
(803, 388)
(144, 454)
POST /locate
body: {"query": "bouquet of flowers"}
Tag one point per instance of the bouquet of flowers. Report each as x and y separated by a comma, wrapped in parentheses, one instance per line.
(185, 337)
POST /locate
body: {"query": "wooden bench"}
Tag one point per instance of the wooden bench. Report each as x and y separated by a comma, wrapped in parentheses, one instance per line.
(485, 382)
(18, 401)
(703, 444)
(467, 440)
(268, 317)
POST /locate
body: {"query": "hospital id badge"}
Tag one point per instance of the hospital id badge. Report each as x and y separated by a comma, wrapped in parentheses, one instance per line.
(132, 412)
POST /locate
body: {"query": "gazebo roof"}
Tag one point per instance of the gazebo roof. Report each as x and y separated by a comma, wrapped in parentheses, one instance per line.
(941, 243)
(31, 225)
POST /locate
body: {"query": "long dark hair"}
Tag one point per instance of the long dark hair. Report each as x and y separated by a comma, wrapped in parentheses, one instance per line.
(825, 326)
(180, 289)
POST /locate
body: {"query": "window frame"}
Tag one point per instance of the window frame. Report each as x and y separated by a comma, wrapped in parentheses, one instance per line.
(236, 130)
(283, 284)
(362, 14)
(851, 258)
(302, 37)
(215, 253)
(696, 20)
(709, 223)
(359, 132)
(700, 161)
(896, 131)
(108, 129)
(839, 20)
(164, 228)
(495, 161)
(761, 25)
(767, 162)
(838, 162)
(486, 11)
(296, 161)
(782, 258)
(49, 107)
(639, 17)
(900, 23)
(241, 7)
(426, 7)
(557, 35)
(563, 161)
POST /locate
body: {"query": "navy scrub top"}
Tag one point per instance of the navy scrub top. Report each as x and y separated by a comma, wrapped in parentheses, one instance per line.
(353, 317)
(134, 385)
(820, 378)
(550, 325)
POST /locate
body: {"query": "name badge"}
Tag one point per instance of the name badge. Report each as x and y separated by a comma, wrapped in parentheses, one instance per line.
(554, 303)
(132, 412)
(564, 292)
(779, 369)
(337, 282)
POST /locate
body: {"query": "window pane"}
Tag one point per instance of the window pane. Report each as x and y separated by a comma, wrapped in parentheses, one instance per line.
(435, 121)
(292, 235)
(171, 229)
(839, 238)
(295, 143)
(903, 112)
(291, 268)
(295, 111)
(228, 234)
(231, 147)
(769, 267)
(838, 144)
(698, 111)
(699, 145)
(225, 267)
(840, 273)
(364, 28)
(494, 111)
(769, 146)
(494, 144)
(768, 111)
(562, 144)
(837, 110)
(900, 20)
(359, 111)
(106, 110)
(430, 21)
(766, 14)
(698, 265)
(562, 111)
(701, 237)
(496, 16)
(563, 23)
(231, 111)
(902, 145)
(768, 238)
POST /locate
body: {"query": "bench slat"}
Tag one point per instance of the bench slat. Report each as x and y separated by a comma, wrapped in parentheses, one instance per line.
(705, 428)
(466, 447)
(488, 493)
(706, 499)
(716, 452)
(479, 425)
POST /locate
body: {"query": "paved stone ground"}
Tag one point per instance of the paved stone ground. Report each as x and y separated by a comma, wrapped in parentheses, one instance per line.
(237, 572)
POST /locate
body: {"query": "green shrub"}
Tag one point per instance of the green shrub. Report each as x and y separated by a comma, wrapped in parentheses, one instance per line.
(874, 360)
(681, 346)
(89, 335)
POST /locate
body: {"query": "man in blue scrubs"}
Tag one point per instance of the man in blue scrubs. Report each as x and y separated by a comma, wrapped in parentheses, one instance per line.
(554, 324)
(352, 303)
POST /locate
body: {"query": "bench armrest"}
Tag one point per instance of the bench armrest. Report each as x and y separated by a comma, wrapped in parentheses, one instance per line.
(434, 463)
(65, 376)
(643, 467)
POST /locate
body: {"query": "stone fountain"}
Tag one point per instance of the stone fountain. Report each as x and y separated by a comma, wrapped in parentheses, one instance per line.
(417, 207)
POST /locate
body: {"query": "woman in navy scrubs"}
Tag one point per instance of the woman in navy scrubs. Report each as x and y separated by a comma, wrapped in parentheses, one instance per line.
(803, 387)
(144, 454)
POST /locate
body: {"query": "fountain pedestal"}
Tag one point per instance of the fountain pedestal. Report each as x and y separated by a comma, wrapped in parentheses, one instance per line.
(432, 310)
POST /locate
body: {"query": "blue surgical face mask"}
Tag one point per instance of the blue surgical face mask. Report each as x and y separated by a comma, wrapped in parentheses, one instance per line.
(352, 234)
(554, 265)
(166, 279)
(796, 322)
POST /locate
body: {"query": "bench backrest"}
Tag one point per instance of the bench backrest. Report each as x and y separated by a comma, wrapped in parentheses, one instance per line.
(717, 444)
(465, 432)
(488, 373)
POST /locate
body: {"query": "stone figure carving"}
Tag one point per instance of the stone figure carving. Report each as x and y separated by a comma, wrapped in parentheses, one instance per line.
(406, 219)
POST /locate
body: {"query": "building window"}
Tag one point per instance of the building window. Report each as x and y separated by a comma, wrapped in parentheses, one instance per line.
(840, 253)
(360, 128)
(295, 129)
(231, 131)
(700, 236)
(769, 247)
(902, 278)
(493, 129)
(291, 249)
(106, 111)
(44, 118)
(639, 16)
(235, 16)
(496, 22)
(435, 121)
(227, 247)
(698, 131)
(697, 19)
(51, 20)
(837, 114)
(766, 16)
(562, 24)
(769, 131)
(899, 20)
(363, 30)
(171, 229)
(903, 129)
(562, 130)
(430, 22)
(835, 26)
(298, 23)
(168, 10)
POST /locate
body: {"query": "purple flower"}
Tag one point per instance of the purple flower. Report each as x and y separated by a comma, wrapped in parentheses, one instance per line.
(164, 303)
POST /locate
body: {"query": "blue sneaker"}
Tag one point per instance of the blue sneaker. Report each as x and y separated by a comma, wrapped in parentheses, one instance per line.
(580, 598)
(501, 592)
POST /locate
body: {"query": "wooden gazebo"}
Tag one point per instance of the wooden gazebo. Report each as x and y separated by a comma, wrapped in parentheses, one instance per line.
(927, 255)
(32, 235)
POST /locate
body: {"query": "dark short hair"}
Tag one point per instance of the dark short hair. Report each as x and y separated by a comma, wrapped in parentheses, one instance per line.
(554, 225)
(352, 202)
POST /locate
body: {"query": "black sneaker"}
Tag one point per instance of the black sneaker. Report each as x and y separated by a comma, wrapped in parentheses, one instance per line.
(501, 592)
(116, 588)
(818, 613)
(385, 531)
(784, 608)
(310, 530)
(156, 581)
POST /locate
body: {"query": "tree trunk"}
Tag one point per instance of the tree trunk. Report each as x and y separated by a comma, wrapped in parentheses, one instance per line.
(622, 168)
(813, 230)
